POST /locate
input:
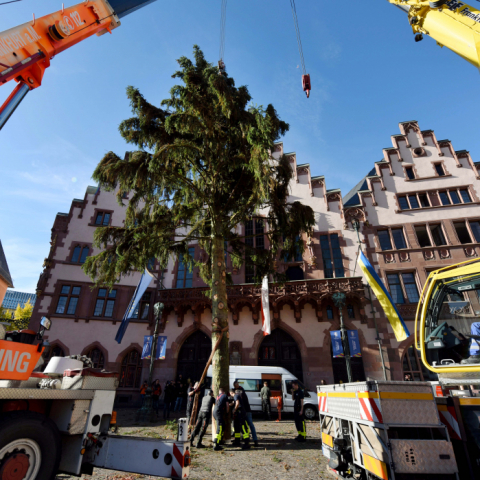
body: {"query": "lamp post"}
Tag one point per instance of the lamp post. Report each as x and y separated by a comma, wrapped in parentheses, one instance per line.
(339, 299)
(146, 411)
(356, 227)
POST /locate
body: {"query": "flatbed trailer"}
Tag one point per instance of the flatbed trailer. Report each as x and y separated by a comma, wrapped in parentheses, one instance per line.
(60, 423)
(385, 429)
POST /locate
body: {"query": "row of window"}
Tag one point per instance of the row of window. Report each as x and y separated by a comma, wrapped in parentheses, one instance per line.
(429, 235)
(403, 288)
(450, 196)
(104, 303)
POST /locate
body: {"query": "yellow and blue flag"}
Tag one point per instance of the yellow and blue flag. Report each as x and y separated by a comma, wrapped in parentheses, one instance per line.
(386, 301)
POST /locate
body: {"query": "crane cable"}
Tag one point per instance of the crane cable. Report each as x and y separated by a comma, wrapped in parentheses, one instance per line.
(297, 31)
(223, 18)
(11, 1)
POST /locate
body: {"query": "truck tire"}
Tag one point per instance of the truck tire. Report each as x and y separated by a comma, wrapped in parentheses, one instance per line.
(30, 447)
(309, 411)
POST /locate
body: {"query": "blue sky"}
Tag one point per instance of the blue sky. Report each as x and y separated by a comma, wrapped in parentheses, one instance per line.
(367, 74)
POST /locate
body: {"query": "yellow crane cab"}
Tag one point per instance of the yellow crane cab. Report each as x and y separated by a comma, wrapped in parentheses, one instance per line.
(447, 329)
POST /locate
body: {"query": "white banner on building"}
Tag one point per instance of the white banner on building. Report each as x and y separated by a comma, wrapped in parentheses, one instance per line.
(265, 308)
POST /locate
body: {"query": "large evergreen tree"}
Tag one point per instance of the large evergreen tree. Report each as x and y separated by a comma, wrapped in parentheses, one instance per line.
(203, 167)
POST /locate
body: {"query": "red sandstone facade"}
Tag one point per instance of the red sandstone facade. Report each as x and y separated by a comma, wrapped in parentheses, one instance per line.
(403, 237)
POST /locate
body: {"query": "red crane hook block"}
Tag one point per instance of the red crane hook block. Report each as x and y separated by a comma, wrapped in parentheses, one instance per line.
(307, 86)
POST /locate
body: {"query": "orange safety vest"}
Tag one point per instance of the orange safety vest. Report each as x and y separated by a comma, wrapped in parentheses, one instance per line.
(143, 390)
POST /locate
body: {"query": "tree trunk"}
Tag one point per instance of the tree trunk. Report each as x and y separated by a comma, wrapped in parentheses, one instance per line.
(221, 358)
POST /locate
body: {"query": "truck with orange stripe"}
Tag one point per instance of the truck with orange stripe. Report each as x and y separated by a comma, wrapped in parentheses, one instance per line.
(403, 430)
(385, 429)
(58, 419)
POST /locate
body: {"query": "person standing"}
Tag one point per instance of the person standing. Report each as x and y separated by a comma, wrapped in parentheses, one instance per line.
(174, 395)
(204, 415)
(143, 391)
(167, 400)
(240, 425)
(179, 400)
(297, 397)
(221, 408)
(248, 412)
(265, 395)
(192, 389)
(156, 392)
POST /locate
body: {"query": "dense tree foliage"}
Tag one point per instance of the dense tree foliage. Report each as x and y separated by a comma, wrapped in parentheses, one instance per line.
(202, 169)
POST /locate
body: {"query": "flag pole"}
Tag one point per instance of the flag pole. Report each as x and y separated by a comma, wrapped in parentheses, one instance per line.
(146, 410)
(356, 227)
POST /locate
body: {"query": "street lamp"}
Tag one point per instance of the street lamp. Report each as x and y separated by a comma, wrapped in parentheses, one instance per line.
(339, 299)
(146, 411)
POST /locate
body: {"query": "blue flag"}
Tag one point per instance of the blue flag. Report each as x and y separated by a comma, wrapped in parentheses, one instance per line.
(161, 348)
(337, 346)
(147, 347)
(142, 286)
(386, 301)
(354, 343)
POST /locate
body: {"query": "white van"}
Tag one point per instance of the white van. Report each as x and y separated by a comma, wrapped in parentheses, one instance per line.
(279, 379)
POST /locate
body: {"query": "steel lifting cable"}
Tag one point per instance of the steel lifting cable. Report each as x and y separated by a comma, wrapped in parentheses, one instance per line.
(297, 31)
(306, 83)
(223, 18)
(11, 1)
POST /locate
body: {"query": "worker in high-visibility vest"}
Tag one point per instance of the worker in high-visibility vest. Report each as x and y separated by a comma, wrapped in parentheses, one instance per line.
(297, 397)
(221, 408)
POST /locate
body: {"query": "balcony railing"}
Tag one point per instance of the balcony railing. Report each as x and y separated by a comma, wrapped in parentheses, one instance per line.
(316, 290)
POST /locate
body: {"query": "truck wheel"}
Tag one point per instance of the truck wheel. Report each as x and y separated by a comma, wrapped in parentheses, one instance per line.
(30, 447)
(310, 412)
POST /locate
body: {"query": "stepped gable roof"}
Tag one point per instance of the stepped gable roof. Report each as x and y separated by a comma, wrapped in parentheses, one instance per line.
(351, 198)
(4, 272)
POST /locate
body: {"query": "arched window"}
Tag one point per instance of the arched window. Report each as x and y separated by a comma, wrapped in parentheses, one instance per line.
(84, 254)
(96, 356)
(131, 371)
(350, 311)
(80, 254)
(413, 368)
(76, 253)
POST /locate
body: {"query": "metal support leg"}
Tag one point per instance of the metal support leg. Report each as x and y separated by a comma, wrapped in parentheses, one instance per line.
(12, 102)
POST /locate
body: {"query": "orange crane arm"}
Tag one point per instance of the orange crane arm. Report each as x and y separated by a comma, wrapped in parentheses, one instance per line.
(26, 50)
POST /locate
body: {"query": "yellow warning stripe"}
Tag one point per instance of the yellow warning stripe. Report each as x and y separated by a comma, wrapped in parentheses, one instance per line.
(367, 395)
(322, 394)
(342, 394)
(406, 396)
(469, 401)
(327, 439)
(442, 408)
(375, 466)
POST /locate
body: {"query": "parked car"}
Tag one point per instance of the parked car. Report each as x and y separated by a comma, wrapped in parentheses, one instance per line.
(280, 381)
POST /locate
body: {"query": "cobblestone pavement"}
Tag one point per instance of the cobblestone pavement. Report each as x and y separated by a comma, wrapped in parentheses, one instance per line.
(278, 457)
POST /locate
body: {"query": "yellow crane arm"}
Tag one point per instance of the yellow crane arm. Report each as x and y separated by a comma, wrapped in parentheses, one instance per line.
(453, 24)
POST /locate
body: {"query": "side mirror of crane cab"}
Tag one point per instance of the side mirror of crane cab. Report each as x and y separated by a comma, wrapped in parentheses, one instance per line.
(46, 323)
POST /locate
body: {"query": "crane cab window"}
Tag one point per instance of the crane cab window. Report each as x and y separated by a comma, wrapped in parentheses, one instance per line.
(452, 325)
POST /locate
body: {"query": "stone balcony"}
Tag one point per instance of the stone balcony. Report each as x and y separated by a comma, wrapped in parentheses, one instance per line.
(296, 294)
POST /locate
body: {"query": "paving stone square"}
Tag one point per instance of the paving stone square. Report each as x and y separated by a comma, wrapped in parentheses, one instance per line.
(279, 456)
